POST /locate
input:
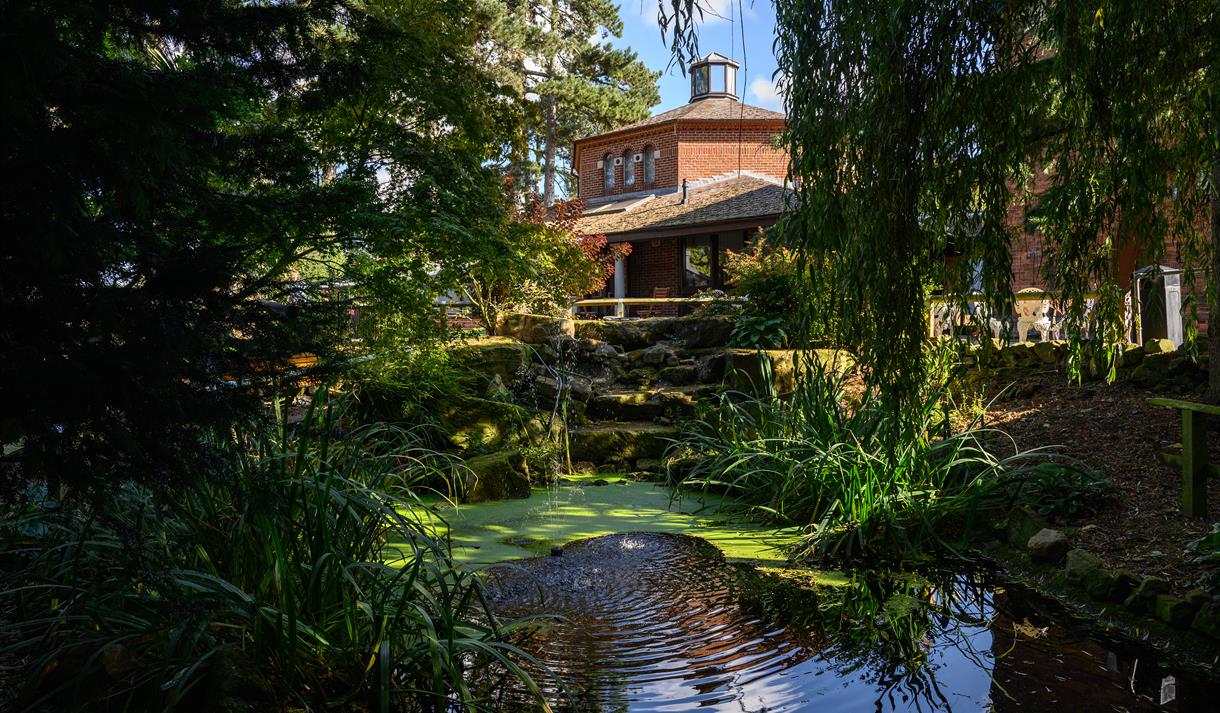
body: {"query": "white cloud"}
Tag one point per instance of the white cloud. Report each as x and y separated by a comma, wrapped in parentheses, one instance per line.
(765, 93)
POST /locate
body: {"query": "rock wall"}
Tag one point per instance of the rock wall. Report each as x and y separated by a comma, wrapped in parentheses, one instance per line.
(1155, 363)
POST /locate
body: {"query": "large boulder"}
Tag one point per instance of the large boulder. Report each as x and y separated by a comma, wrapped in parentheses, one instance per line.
(496, 476)
(536, 328)
(755, 371)
(493, 356)
(702, 332)
(748, 369)
(471, 422)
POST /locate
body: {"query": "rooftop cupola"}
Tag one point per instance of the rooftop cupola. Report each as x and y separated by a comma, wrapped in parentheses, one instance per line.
(713, 76)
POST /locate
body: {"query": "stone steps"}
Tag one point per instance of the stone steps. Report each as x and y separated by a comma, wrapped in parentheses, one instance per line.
(620, 441)
(672, 403)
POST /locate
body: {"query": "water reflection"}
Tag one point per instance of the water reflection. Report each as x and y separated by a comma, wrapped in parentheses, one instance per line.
(656, 622)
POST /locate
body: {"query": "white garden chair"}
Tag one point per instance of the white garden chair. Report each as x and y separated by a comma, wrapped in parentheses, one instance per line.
(1036, 315)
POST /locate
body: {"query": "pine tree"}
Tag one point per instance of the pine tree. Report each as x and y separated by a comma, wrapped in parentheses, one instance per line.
(572, 85)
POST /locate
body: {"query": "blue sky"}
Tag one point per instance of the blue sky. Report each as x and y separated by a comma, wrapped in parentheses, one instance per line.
(717, 33)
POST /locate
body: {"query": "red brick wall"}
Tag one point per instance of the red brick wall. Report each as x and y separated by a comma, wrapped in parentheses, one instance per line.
(1028, 265)
(710, 149)
(691, 150)
(661, 138)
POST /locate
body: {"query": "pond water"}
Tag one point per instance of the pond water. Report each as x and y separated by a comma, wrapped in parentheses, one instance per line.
(662, 621)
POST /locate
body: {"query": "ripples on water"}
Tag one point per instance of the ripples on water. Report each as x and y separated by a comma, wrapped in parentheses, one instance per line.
(653, 622)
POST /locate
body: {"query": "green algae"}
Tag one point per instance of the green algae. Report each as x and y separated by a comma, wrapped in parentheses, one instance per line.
(485, 533)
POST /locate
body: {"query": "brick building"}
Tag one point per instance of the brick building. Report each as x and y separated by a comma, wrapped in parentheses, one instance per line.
(688, 184)
(684, 186)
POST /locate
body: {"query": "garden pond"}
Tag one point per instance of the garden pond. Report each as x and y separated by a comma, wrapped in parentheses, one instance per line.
(645, 602)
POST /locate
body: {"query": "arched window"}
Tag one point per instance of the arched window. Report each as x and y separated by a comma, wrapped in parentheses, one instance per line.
(628, 168)
(608, 172)
(650, 164)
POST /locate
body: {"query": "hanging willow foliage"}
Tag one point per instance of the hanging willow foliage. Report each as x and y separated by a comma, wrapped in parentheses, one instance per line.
(923, 129)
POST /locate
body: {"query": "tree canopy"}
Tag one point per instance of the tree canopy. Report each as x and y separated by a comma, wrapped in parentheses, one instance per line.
(573, 83)
(174, 163)
(916, 126)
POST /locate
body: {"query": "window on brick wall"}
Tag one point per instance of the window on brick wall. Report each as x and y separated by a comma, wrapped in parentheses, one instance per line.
(628, 168)
(650, 164)
(608, 172)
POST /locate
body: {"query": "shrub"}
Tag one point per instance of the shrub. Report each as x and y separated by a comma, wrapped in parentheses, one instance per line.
(767, 276)
(295, 575)
(1063, 489)
(541, 264)
(759, 332)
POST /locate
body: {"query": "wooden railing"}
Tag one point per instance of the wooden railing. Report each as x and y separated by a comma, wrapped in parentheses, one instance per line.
(620, 303)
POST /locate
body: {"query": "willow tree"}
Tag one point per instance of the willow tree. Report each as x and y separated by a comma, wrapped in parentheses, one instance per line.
(917, 126)
(920, 128)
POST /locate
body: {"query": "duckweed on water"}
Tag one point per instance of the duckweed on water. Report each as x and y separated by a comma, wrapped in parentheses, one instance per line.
(485, 533)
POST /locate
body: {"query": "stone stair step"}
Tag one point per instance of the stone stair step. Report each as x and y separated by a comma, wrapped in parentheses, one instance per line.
(641, 405)
(617, 441)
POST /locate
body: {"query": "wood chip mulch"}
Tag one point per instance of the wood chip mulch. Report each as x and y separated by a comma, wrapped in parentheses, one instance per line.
(1112, 428)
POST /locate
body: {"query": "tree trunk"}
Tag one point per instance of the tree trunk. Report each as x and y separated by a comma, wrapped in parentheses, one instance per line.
(548, 155)
(1213, 318)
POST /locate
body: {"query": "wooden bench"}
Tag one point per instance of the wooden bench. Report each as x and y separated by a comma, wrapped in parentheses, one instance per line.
(1194, 458)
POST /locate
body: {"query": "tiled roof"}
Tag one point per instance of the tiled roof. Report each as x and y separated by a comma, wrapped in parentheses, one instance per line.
(731, 199)
(714, 109)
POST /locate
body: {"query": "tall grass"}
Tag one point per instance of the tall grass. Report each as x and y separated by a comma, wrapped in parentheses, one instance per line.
(270, 583)
(863, 478)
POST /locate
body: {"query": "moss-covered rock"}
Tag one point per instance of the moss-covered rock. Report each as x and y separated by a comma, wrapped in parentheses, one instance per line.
(1143, 599)
(1023, 523)
(619, 442)
(625, 406)
(1132, 355)
(1158, 346)
(1081, 565)
(693, 332)
(471, 422)
(1153, 370)
(493, 356)
(496, 476)
(1122, 585)
(702, 332)
(1174, 611)
(711, 367)
(680, 375)
(755, 371)
(536, 328)
(630, 335)
(1207, 620)
(1050, 352)
(1019, 355)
